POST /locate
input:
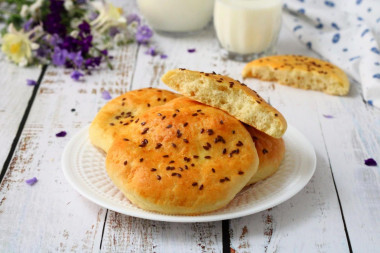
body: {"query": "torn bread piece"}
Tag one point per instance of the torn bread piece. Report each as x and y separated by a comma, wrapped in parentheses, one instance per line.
(229, 95)
(300, 72)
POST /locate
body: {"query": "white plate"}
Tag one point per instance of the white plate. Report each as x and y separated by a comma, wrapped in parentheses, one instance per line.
(83, 166)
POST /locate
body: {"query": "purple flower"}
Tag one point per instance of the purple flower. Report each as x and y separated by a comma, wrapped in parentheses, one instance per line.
(370, 162)
(143, 34)
(55, 40)
(52, 23)
(30, 82)
(31, 181)
(104, 52)
(76, 58)
(113, 31)
(84, 27)
(106, 95)
(151, 51)
(93, 16)
(28, 25)
(59, 56)
(61, 134)
(76, 75)
(92, 62)
(81, 1)
(328, 116)
(191, 50)
(163, 56)
(133, 18)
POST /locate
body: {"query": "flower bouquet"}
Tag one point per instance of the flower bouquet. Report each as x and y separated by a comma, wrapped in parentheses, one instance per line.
(74, 34)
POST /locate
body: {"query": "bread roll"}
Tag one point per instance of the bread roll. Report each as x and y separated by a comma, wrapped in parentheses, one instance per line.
(300, 72)
(229, 95)
(118, 113)
(271, 152)
(182, 158)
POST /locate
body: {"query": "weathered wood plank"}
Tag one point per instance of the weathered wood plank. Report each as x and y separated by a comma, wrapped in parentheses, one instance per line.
(352, 136)
(14, 99)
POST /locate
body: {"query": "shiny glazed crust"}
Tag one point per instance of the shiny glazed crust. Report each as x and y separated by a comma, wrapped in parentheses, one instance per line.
(300, 72)
(271, 152)
(229, 95)
(118, 113)
(182, 158)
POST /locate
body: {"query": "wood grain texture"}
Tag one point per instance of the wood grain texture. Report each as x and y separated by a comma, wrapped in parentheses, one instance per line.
(15, 96)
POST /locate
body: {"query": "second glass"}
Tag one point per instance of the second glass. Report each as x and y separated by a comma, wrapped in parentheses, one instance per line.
(247, 29)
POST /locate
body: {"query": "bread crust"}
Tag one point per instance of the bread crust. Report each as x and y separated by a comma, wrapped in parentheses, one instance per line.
(229, 95)
(271, 152)
(300, 72)
(182, 158)
(117, 114)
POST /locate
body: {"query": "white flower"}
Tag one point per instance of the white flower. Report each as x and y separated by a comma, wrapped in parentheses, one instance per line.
(18, 46)
(68, 4)
(35, 6)
(109, 16)
(24, 11)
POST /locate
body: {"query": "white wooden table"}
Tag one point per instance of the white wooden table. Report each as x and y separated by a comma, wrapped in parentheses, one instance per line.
(338, 211)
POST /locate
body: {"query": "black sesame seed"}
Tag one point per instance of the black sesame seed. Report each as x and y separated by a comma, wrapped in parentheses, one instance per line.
(258, 101)
(125, 139)
(176, 110)
(194, 184)
(201, 187)
(222, 180)
(231, 84)
(173, 145)
(233, 131)
(148, 105)
(174, 115)
(219, 81)
(141, 160)
(240, 172)
(192, 165)
(265, 151)
(112, 124)
(163, 117)
(206, 147)
(239, 144)
(164, 100)
(202, 130)
(275, 114)
(199, 110)
(159, 114)
(194, 114)
(145, 130)
(137, 120)
(165, 156)
(219, 139)
(143, 143)
(210, 131)
(185, 125)
(143, 123)
(125, 162)
(171, 161)
(158, 177)
(207, 157)
(153, 169)
(158, 145)
(179, 134)
(185, 140)
(224, 151)
(169, 126)
(180, 168)
(186, 167)
(196, 157)
(158, 99)
(221, 122)
(213, 170)
(227, 179)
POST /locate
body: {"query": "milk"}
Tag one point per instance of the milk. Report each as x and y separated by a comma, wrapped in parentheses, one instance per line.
(177, 15)
(247, 26)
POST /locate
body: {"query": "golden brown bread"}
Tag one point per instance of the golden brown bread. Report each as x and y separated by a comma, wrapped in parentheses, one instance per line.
(300, 72)
(118, 113)
(182, 158)
(271, 152)
(229, 95)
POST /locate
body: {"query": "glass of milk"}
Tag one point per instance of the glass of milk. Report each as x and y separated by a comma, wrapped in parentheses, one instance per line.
(177, 17)
(247, 29)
